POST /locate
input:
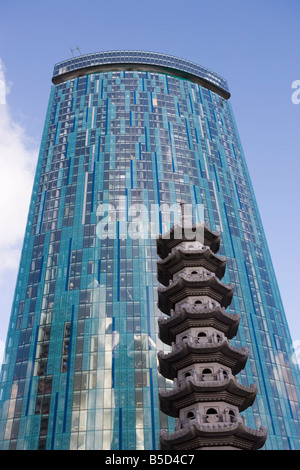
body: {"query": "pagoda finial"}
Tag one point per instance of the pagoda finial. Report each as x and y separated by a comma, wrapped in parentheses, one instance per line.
(185, 218)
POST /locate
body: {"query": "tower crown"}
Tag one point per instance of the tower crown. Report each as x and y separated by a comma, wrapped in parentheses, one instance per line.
(139, 60)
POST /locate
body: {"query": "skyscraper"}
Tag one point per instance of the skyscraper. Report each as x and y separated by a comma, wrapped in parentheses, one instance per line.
(128, 135)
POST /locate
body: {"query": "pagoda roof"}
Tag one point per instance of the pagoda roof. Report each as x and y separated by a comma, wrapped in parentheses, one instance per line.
(188, 353)
(182, 257)
(193, 285)
(233, 435)
(167, 241)
(195, 317)
(229, 391)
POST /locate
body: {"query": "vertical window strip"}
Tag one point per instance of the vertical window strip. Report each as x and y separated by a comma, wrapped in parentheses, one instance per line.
(171, 145)
(68, 264)
(206, 169)
(187, 133)
(54, 421)
(68, 371)
(84, 198)
(148, 314)
(216, 178)
(93, 117)
(200, 123)
(229, 231)
(152, 410)
(32, 369)
(217, 204)
(93, 188)
(41, 213)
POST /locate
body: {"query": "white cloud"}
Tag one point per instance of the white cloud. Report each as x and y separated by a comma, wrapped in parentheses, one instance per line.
(2, 86)
(18, 156)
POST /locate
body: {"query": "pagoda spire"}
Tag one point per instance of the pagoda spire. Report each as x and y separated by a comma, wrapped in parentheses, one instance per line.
(207, 398)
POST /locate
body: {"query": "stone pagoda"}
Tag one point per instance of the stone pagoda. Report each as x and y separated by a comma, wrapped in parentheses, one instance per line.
(207, 398)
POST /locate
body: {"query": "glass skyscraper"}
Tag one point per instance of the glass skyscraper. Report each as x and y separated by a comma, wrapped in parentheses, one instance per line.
(126, 133)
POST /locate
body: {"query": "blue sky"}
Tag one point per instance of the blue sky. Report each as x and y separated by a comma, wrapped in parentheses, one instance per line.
(253, 44)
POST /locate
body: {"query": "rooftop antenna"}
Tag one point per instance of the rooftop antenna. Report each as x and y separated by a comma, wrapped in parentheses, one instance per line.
(75, 49)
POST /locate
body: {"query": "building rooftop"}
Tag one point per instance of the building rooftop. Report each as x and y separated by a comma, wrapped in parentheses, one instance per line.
(139, 60)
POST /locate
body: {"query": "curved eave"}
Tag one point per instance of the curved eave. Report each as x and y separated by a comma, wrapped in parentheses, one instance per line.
(184, 319)
(187, 354)
(235, 435)
(183, 288)
(165, 242)
(189, 258)
(229, 391)
(143, 67)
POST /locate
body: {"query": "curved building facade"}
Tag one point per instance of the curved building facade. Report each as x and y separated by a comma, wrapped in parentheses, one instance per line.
(128, 135)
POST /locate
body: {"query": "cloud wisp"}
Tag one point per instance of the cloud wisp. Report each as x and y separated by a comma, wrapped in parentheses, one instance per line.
(18, 155)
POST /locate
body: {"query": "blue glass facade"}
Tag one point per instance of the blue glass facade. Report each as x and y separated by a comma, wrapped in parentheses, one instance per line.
(81, 353)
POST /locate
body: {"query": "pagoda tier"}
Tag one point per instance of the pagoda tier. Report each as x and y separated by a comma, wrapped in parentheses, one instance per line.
(221, 436)
(191, 285)
(193, 316)
(189, 255)
(165, 243)
(199, 389)
(190, 352)
(207, 398)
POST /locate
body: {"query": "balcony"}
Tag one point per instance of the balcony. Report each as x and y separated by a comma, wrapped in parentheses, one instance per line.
(209, 419)
(206, 376)
(200, 340)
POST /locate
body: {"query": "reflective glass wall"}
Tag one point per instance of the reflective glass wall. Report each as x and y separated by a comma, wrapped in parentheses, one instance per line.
(81, 369)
